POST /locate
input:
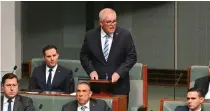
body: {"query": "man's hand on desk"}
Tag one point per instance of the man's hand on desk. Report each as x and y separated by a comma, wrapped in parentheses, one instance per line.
(94, 75)
(115, 77)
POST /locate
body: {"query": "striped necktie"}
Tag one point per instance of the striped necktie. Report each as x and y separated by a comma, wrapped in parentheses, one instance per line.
(106, 48)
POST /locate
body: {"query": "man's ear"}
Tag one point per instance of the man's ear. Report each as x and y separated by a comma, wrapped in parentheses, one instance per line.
(100, 23)
(202, 99)
(2, 87)
(58, 55)
(91, 93)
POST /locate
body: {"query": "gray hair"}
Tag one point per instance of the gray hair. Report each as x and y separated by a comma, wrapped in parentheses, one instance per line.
(104, 11)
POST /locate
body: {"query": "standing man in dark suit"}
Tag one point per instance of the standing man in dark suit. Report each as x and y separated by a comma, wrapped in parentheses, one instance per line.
(10, 100)
(194, 101)
(51, 76)
(203, 84)
(109, 53)
(84, 102)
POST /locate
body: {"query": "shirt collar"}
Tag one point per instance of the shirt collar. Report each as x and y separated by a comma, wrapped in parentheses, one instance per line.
(6, 99)
(54, 68)
(197, 110)
(87, 105)
(103, 33)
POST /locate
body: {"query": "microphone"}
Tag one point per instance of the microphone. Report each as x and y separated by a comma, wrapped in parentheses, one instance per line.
(76, 70)
(15, 67)
(107, 77)
(40, 107)
(176, 84)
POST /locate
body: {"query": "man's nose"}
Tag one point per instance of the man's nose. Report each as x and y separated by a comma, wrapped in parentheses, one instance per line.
(52, 58)
(11, 88)
(80, 94)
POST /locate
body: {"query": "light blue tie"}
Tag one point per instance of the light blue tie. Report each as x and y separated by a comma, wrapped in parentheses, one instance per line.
(106, 48)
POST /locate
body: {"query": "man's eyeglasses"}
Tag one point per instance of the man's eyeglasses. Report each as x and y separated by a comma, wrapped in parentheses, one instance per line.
(110, 22)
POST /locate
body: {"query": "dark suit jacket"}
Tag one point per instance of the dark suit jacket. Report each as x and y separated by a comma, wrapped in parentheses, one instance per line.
(122, 57)
(63, 80)
(202, 84)
(183, 108)
(21, 103)
(95, 105)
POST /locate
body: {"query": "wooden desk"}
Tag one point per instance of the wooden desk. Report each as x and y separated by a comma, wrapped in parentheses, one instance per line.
(119, 102)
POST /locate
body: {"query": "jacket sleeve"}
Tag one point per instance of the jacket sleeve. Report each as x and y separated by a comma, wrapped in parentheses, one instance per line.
(131, 57)
(32, 81)
(30, 105)
(70, 87)
(85, 57)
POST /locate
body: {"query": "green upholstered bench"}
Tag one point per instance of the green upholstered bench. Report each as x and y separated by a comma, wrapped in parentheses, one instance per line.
(55, 103)
(138, 78)
(170, 105)
(73, 65)
(138, 86)
(195, 72)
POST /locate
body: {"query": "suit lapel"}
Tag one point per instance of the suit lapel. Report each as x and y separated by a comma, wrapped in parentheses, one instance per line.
(2, 101)
(17, 104)
(208, 81)
(186, 108)
(57, 75)
(99, 44)
(43, 77)
(74, 107)
(92, 105)
(114, 42)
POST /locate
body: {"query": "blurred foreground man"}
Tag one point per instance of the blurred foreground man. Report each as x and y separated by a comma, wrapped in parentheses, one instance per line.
(194, 101)
(10, 100)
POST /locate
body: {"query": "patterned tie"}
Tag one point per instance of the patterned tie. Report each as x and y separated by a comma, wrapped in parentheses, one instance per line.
(49, 80)
(9, 106)
(83, 108)
(106, 48)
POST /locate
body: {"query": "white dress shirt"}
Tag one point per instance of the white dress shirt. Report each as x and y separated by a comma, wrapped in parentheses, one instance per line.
(207, 96)
(87, 106)
(103, 39)
(197, 110)
(53, 72)
(6, 104)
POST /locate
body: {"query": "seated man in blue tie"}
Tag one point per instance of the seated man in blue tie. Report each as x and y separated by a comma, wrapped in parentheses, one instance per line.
(50, 76)
(194, 101)
(84, 101)
(10, 100)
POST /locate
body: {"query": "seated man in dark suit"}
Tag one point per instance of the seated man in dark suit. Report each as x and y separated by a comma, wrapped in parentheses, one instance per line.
(203, 84)
(51, 76)
(194, 101)
(10, 100)
(84, 102)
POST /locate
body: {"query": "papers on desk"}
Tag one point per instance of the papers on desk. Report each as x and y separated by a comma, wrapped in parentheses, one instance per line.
(32, 92)
(73, 94)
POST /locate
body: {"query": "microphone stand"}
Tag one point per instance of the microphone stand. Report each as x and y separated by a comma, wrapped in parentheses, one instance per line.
(176, 82)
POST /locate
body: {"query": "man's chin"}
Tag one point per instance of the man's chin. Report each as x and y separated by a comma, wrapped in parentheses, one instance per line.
(51, 65)
(191, 107)
(11, 96)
